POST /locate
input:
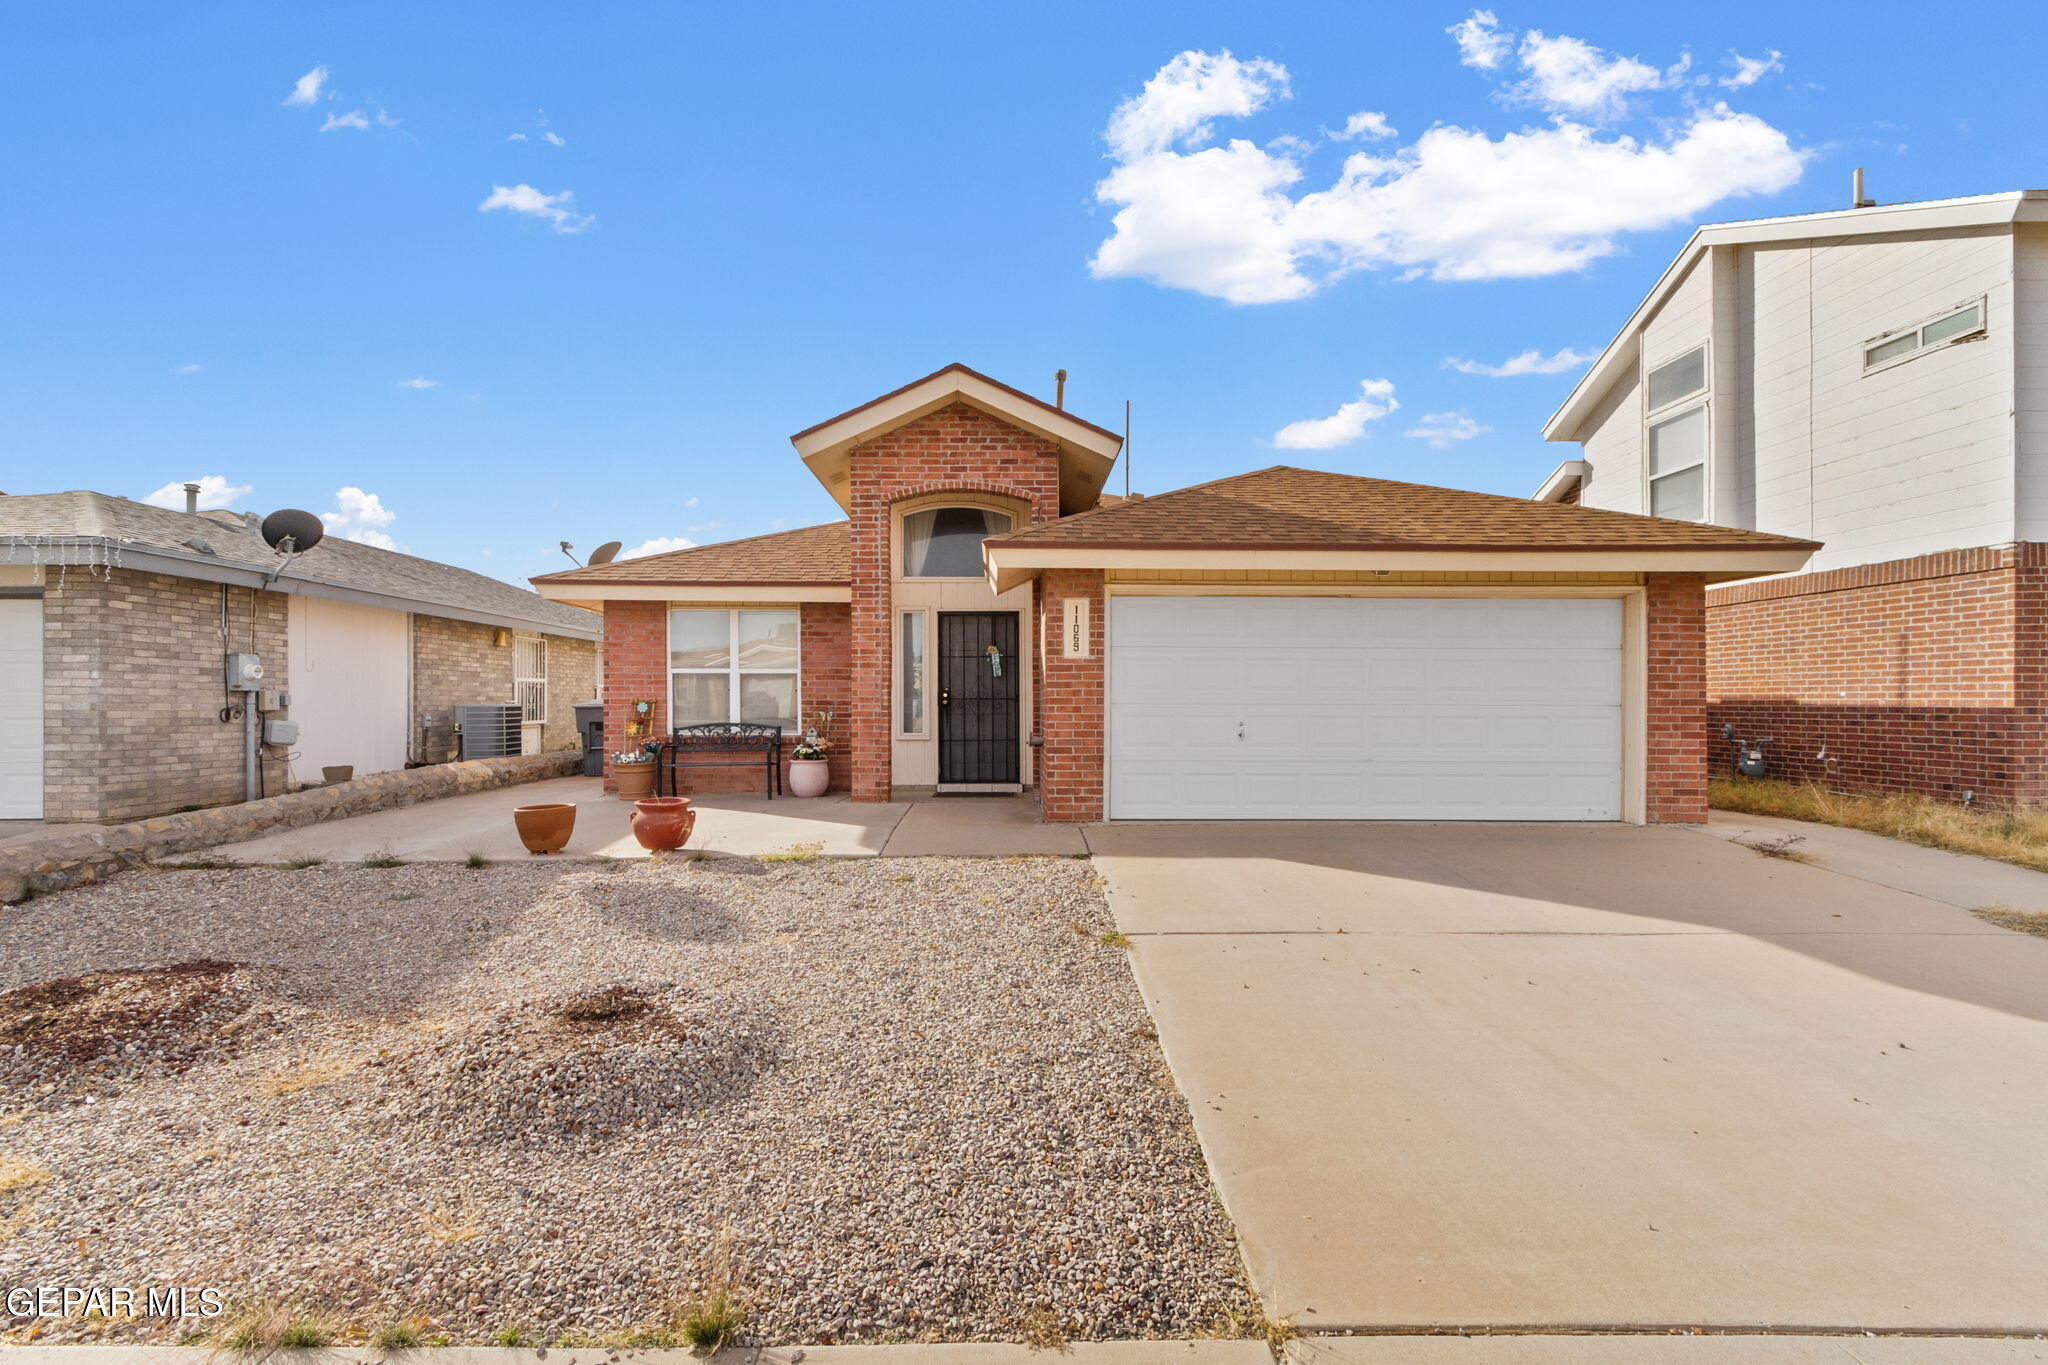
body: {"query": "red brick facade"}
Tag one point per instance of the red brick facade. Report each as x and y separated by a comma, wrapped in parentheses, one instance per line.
(956, 449)
(636, 669)
(1923, 674)
(1675, 704)
(1072, 707)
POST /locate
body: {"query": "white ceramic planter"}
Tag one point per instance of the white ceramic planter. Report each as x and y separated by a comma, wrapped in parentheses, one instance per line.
(809, 776)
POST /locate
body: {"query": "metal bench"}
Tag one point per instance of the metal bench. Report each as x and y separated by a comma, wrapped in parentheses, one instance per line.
(705, 746)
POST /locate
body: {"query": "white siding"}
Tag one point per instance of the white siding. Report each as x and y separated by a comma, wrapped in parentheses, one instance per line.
(350, 679)
(2030, 376)
(1908, 460)
(21, 708)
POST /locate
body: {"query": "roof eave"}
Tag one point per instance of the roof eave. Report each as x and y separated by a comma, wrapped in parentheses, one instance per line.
(1562, 480)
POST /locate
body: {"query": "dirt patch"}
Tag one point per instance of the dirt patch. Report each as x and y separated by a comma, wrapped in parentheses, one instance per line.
(121, 1023)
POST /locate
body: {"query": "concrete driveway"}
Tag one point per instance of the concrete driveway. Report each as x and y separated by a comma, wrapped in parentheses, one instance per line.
(1596, 1075)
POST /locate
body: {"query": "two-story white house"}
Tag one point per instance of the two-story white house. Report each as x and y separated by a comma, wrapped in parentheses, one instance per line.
(1877, 380)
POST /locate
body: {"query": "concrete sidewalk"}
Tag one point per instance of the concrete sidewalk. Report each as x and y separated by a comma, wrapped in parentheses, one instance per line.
(1664, 1350)
(451, 830)
(970, 1353)
(1954, 878)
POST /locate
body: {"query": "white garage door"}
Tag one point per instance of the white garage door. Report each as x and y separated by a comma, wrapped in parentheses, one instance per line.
(1412, 708)
(351, 686)
(21, 708)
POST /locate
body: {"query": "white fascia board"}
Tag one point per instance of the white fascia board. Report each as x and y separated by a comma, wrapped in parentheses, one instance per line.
(1975, 211)
(692, 592)
(1011, 565)
(1561, 479)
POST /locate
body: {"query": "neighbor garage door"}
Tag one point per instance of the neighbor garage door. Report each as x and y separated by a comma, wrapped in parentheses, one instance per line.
(1412, 708)
(21, 708)
(351, 686)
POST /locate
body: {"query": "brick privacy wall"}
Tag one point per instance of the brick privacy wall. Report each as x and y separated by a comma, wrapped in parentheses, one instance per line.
(133, 688)
(958, 448)
(635, 663)
(1072, 707)
(1920, 675)
(460, 663)
(1675, 702)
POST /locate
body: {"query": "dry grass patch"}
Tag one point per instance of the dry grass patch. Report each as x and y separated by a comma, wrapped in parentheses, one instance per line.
(2019, 837)
(451, 1225)
(307, 1072)
(17, 1175)
(2033, 922)
(1785, 846)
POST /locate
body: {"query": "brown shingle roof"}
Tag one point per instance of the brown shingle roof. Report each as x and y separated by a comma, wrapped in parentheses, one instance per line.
(809, 555)
(1309, 509)
(949, 369)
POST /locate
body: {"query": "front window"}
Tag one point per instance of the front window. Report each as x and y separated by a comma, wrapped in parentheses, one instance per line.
(732, 665)
(945, 542)
(1960, 325)
(1678, 466)
(530, 677)
(912, 667)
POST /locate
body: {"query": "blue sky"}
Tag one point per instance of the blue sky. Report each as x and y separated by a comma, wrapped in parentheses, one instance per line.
(776, 214)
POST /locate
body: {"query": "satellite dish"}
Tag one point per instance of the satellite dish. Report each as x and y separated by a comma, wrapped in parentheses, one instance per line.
(607, 552)
(290, 531)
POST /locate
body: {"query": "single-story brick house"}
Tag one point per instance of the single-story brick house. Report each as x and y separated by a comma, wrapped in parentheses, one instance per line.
(1281, 644)
(117, 619)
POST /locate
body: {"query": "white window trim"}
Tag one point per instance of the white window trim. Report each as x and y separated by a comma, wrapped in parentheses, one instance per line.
(732, 670)
(1981, 303)
(519, 680)
(931, 625)
(1705, 464)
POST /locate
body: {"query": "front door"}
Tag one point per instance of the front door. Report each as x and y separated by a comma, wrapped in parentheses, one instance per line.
(978, 693)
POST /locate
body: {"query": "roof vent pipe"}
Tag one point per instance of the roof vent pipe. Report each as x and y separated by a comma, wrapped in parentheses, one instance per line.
(191, 499)
(1857, 199)
(1059, 389)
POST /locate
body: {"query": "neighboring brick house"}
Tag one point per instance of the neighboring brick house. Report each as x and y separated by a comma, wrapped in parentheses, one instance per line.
(116, 619)
(1875, 379)
(1281, 644)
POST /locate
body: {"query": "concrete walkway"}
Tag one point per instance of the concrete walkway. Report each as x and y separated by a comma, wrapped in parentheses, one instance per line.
(973, 1353)
(452, 829)
(1595, 1076)
(1955, 878)
(1664, 1350)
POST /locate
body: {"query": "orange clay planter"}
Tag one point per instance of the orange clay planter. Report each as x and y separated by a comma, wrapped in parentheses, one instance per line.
(635, 780)
(661, 823)
(545, 828)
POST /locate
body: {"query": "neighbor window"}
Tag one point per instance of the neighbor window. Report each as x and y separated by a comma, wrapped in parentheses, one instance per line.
(1677, 380)
(530, 677)
(945, 542)
(912, 665)
(1955, 325)
(732, 665)
(1678, 466)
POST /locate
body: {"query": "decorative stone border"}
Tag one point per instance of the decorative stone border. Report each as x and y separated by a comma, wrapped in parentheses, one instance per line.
(74, 858)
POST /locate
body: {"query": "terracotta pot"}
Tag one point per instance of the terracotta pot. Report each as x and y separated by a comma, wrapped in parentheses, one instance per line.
(545, 828)
(342, 772)
(809, 776)
(663, 822)
(635, 780)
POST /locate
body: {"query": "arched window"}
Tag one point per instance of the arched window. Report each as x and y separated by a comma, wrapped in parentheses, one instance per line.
(945, 542)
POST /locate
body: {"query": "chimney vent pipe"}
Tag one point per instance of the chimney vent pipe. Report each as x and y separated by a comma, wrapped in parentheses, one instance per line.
(191, 499)
(1059, 389)
(1857, 199)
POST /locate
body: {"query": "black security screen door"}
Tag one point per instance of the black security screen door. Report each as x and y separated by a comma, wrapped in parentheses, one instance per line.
(978, 696)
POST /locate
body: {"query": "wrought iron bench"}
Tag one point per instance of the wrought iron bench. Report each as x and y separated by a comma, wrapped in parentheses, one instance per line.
(704, 746)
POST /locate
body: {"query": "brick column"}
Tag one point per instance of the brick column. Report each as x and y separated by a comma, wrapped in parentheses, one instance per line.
(866, 730)
(827, 680)
(1071, 702)
(635, 669)
(1675, 780)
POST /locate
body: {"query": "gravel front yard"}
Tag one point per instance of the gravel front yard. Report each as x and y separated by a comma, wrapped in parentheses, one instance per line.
(893, 1099)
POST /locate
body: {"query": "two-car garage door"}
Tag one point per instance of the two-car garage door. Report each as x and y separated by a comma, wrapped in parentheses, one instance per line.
(1381, 708)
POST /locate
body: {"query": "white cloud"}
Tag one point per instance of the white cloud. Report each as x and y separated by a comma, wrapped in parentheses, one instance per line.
(554, 139)
(1570, 76)
(1177, 104)
(1455, 204)
(660, 545)
(419, 383)
(214, 492)
(1481, 44)
(516, 137)
(306, 89)
(557, 210)
(1531, 361)
(194, 368)
(352, 119)
(689, 502)
(1368, 126)
(384, 120)
(1749, 70)
(360, 517)
(1345, 425)
(1445, 429)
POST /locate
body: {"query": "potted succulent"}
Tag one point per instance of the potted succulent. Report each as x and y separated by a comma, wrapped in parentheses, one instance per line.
(809, 771)
(633, 770)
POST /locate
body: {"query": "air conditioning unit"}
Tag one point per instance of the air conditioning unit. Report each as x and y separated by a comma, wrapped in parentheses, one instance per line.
(487, 731)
